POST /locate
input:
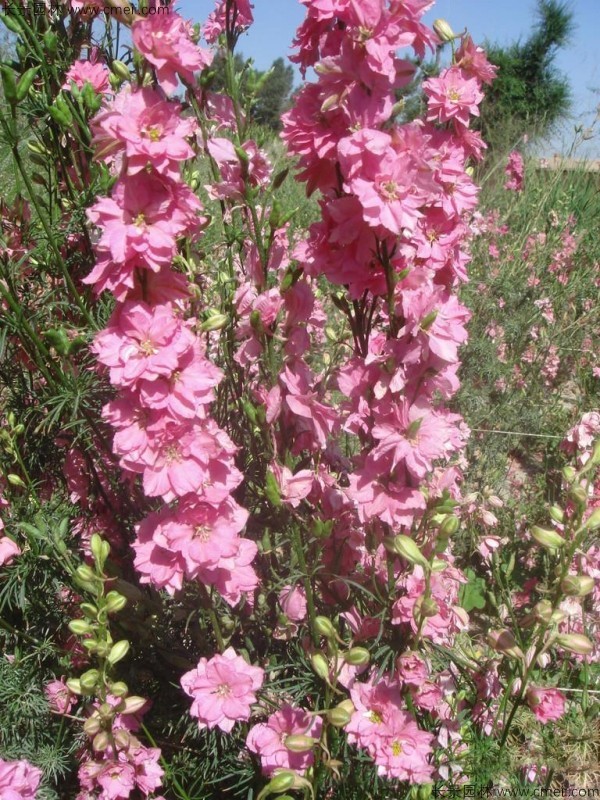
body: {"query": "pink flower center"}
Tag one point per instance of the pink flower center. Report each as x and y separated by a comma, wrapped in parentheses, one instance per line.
(153, 133)
(454, 95)
(172, 454)
(202, 532)
(223, 690)
(389, 190)
(147, 348)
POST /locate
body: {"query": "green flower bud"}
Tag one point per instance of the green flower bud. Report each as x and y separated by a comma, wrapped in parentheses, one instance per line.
(101, 741)
(338, 717)
(89, 679)
(320, 665)
(577, 585)
(282, 781)
(119, 689)
(449, 526)
(575, 643)
(593, 521)
(579, 496)
(504, 642)
(547, 538)
(133, 704)
(557, 513)
(80, 627)
(324, 627)
(121, 70)
(92, 725)
(118, 651)
(443, 30)
(297, 743)
(115, 602)
(73, 685)
(214, 323)
(15, 480)
(357, 656)
(405, 546)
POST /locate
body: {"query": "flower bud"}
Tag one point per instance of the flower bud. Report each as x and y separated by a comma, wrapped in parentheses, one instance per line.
(547, 538)
(80, 627)
(424, 791)
(133, 704)
(324, 627)
(215, 323)
(557, 513)
(92, 725)
(579, 496)
(449, 526)
(516, 687)
(505, 642)
(89, 679)
(119, 689)
(338, 717)
(115, 602)
(85, 573)
(429, 607)
(593, 521)
(575, 643)
(357, 656)
(15, 480)
(101, 741)
(569, 474)
(443, 30)
(542, 611)
(297, 743)
(73, 685)
(405, 546)
(118, 651)
(320, 665)
(595, 459)
(121, 70)
(577, 585)
(543, 660)
(281, 781)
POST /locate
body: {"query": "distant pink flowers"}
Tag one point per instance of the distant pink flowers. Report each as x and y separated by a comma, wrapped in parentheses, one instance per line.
(19, 780)
(515, 172)
(223, 690)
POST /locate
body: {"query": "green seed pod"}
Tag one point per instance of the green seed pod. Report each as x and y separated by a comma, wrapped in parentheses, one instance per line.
(338, 717)
(25, 83)
(449, 526)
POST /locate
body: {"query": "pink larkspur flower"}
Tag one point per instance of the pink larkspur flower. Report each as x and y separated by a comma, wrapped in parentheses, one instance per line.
(8, 550)
(223, 690)
(19, 780)
(82, 72)
(292, 600)
(60, 698)
(165, 40)
(267, 739)
(548, 705)
(452, 96)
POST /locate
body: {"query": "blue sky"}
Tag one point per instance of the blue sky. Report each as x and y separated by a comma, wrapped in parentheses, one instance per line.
(501, 21)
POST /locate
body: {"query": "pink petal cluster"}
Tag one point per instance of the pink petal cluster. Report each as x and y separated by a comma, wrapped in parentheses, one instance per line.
(267, 739)
(9, 549)
(515, 172)
(19, 780)
(166, 41)
(223, 690)
(548, 705)
(82, 72)
(388, 733)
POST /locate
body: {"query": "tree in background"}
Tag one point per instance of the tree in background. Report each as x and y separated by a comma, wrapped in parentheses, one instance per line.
(529, 95)
(268, 92)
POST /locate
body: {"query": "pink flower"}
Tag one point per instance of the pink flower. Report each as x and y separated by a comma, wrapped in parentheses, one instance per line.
(412, 669)
(82, 72)
(19, 780)
(267, 739)
(141, 341)
(8, 550)
(452, 96)
(60, 699)
(548, 705)
(223, 690)
(241, 18)
(165, 40)
(292, 600)
(515, 170)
